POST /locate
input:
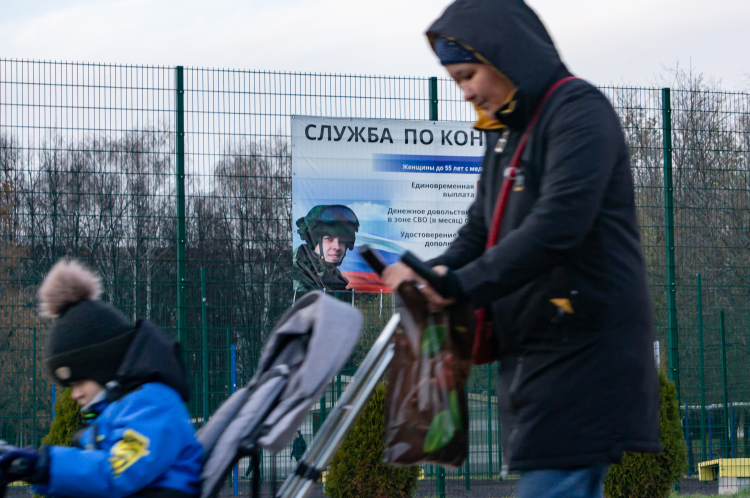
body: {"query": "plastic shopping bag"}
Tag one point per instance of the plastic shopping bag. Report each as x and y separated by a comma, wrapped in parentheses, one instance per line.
(427, 416)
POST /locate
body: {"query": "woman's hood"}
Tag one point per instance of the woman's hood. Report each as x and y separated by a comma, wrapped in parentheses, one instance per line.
(509, 36)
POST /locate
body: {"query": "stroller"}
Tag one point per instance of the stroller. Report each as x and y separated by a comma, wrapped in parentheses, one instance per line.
(297, 364)
(290, 378)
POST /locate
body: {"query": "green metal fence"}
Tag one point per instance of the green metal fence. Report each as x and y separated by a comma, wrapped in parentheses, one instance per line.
(175, 184)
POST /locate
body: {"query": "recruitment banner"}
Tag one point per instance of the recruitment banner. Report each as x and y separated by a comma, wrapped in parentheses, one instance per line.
(392, 184)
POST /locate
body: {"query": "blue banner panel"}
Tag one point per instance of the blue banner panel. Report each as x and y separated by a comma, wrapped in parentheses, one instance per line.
(402, 163)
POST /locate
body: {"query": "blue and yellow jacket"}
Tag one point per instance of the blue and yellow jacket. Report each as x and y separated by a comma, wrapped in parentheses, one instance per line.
(139, 443)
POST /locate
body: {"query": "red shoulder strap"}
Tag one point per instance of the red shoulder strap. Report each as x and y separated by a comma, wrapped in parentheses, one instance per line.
(482, 350)
(512, 169)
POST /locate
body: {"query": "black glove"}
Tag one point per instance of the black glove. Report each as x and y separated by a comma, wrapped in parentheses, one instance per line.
(452, 287)
(24, 464)
(446, 285)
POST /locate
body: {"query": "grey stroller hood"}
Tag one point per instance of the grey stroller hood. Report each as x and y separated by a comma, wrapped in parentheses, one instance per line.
(309, 345)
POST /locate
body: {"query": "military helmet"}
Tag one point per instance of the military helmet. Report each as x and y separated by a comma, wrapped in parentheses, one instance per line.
(332, 220)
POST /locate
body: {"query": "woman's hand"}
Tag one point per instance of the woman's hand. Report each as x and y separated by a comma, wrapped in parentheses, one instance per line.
(399, 272)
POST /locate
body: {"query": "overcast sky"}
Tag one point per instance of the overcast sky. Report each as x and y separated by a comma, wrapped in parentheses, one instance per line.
(604, 41)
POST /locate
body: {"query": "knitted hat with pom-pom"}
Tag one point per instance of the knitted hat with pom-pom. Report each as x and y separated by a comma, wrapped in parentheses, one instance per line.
(89, 338)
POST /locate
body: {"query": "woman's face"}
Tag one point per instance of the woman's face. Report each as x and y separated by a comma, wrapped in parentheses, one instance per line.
(482, 85)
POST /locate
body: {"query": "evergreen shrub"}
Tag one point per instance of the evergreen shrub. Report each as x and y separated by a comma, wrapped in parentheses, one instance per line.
(647, 475)
(68, 420)
(357, 469)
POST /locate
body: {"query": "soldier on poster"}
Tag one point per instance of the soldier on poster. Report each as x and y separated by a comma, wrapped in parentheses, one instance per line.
(328, 231)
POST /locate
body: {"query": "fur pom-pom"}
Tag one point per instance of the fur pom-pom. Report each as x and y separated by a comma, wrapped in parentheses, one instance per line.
(68, 282)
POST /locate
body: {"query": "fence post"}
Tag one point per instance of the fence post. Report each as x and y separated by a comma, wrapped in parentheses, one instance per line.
(701, 369)
(235, 471)
(687, 438)
(228, 362)
(441, 482)
(710, 436)
(204, 345)
(725, 392)
(180, 190)
(467, 470)
(674, 358)
(467, 465)
(323, 409)
(489, 419)
(33, 388)
(433, 99)
(731, 429)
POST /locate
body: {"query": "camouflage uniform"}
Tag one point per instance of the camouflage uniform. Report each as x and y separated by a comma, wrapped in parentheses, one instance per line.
(311, 271)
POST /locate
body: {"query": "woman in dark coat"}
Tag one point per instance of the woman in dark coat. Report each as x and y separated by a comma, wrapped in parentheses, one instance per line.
(565, 284)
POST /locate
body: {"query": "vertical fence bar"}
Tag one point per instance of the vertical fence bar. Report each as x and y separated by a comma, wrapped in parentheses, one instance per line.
(204, 345)
(687, 439)
(180, 200)
(489, 420)
(441, 482)
(323, 410)
(433, 99)
(725, 391)
(273, 474)
(467, 464)
(229, 362)
(54, 392)
(33, 388)
(235, 470)
(674, 357)
(701, 366)
(710, 436)
(467, 468)
(731, 429)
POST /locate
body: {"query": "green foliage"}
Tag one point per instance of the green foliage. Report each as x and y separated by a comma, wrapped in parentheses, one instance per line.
(652, 476)
(356, 470)
(68, 419)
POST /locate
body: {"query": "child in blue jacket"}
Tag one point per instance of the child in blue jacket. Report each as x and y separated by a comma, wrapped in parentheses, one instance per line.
(130, 382)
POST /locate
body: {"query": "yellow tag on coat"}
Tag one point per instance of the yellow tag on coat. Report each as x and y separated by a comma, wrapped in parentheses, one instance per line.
(132, 447)
(563, 304)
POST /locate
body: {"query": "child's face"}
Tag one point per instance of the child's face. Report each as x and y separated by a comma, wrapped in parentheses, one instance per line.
(84, 391)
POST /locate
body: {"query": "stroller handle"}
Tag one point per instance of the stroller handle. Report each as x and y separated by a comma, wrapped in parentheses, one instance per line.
(426, 272)
(409, 259)
(372, 258)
